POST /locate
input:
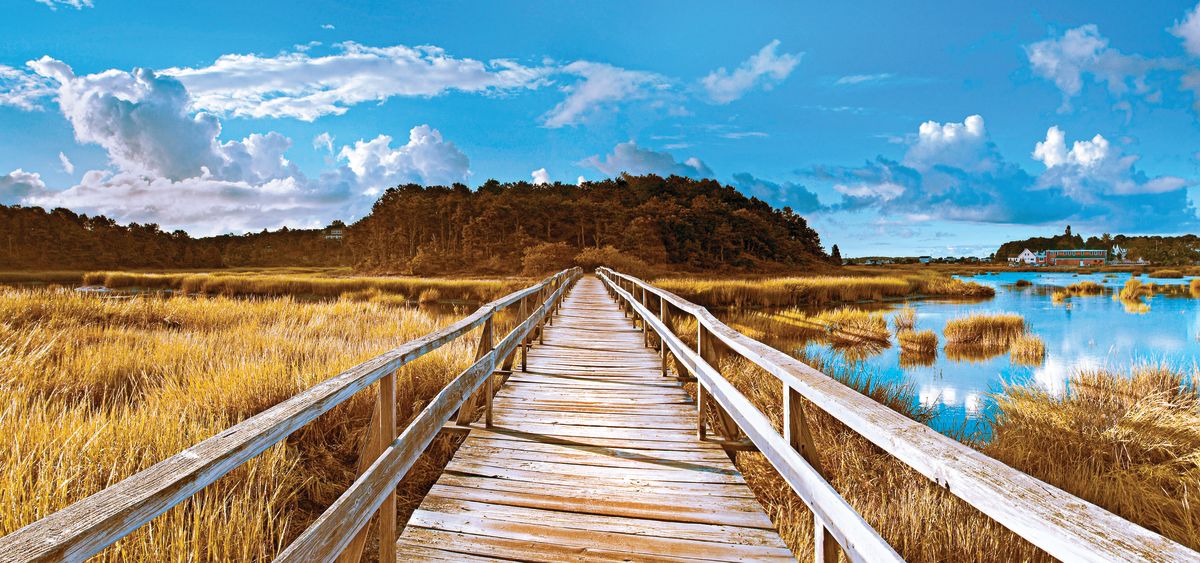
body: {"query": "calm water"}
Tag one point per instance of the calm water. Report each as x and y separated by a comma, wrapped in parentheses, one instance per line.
(1085, 332)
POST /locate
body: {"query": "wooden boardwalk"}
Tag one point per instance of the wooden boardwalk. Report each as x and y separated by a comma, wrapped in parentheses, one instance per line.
(593, 456)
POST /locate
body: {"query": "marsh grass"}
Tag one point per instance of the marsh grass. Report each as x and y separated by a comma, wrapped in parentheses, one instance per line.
(1130, 444)
(307, 284)
(840, 326)
(904, 319)
(983, 329)
(922, 521)
(1083, 288)
(817, 290)
(93, 390)
(920, 342)
(1167, 273)
(1127, 442)
(1027, 349)
(42, 276)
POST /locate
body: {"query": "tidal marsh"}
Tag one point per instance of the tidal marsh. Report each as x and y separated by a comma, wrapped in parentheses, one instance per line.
(817, 290)
(95, 389)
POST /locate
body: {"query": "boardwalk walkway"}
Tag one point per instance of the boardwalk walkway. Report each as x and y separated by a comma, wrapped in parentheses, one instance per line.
(593, 455)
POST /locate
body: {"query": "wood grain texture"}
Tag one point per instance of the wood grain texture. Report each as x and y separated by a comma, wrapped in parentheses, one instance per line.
(592, 456)
(1065, 526)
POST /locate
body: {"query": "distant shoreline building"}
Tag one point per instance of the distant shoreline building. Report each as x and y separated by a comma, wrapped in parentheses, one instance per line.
(1078, 257)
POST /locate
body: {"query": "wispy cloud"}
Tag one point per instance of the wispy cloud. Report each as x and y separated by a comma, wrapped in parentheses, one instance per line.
(744, 134)
(77, 4)
(764, 69)
(854, 79)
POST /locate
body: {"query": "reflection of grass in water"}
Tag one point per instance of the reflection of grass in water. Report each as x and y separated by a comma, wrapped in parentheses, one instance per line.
(910, 359)
(973, 353)
(1083, 288)
(1027, 349)
(1153, 483)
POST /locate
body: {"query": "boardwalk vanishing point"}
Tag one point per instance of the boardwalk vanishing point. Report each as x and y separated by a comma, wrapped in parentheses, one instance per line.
(592, 454)
(591, 449)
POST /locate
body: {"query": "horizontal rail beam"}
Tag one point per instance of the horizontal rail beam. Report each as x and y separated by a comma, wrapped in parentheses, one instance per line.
(88, 526)
(859, 540)
(336, 527)
(1063, 525)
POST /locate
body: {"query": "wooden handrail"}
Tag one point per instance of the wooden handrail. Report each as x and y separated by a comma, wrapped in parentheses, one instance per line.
(336, 527)
(89, 525)
(1063, 525)
(858, 539)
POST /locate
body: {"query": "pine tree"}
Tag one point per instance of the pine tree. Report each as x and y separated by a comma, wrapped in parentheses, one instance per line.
(836, 255)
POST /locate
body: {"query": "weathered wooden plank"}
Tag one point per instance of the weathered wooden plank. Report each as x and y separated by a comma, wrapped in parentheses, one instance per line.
(601, 522)
(336, 527)
(575, 537)
(592, 456)
(1062, 524)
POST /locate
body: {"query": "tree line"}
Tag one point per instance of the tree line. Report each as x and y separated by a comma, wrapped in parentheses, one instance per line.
(499, 228)
(1165, 250)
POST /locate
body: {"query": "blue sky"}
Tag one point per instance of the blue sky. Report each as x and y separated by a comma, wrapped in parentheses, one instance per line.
(940, 129)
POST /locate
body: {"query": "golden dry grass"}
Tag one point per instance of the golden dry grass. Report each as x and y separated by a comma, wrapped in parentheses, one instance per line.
(270, 283)
(922, 342)
(93, 390)
(1166, 273)
(817, 290)
(985, 329)
(1127, 442)
(904, 319)
(1027, 349)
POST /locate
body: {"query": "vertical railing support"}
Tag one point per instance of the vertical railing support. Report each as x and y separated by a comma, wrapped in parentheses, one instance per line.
(387, 433)
(710, 351)
(796, 432)
(664, 314)
(466, 413)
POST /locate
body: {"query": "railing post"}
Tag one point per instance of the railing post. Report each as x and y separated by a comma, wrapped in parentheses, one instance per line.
(466, 413)
(387, 426)
(664, 314)
(525, 339)
(798, 435)
(711, 351)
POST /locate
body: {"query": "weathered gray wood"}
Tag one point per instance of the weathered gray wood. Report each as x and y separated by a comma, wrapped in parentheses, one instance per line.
(858, 539)
(592, 452)
(337, 526)
(387, 433)
(85, 527)
(798, 435)
(1065, 526)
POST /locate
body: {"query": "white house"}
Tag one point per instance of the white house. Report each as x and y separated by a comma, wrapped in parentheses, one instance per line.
(1025, 257)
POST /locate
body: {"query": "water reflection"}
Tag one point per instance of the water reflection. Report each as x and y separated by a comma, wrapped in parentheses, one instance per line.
(1083, 332)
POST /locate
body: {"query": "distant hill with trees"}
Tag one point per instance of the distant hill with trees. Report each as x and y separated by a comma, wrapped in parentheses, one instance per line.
(32, 238)
(500, 228)
(1166, 250)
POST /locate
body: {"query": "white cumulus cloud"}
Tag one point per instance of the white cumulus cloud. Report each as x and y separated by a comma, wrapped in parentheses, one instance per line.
(764, 68)
(299, 85)
(1081, 52)
(1094, 167)
(540, 176)
(1189, 31)
(629, 158)
(425, 159)
(18, 186)
(171, 167)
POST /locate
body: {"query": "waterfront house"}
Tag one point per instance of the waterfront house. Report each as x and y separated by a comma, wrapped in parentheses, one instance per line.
(1076, 257)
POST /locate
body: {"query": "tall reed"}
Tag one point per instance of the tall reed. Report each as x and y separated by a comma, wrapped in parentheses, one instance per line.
(93, 390)
(817, 290)
(985, 329)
